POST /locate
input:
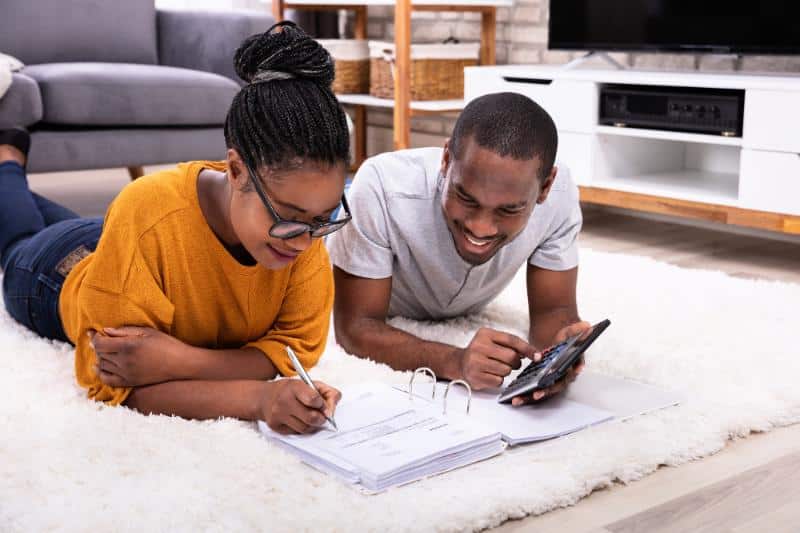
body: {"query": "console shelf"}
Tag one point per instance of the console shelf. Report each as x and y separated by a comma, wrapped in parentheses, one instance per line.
(669, 135)
(752, 180)
(697, 186)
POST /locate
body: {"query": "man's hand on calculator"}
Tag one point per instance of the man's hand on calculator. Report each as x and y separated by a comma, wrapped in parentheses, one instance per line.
(490, 357)
(563, 334)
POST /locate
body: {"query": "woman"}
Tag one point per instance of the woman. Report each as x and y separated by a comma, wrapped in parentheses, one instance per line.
(183, 300)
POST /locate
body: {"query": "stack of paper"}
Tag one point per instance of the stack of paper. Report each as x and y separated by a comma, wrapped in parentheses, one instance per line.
(387, 439)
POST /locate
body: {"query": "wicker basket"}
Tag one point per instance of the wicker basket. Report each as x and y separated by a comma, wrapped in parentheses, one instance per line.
(437, 70)
(351, 57)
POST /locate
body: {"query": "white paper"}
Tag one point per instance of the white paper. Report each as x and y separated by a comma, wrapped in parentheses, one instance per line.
(385, 438)
(623, 397)
(592, 399)
(528, 423)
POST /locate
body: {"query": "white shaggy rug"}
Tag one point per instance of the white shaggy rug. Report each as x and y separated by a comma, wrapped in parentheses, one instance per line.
(72, 465)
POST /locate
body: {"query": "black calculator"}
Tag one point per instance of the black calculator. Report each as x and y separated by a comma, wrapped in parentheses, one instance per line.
(554, 364)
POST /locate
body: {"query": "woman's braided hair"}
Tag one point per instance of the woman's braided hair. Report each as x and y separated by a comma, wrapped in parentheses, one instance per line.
(286, 114)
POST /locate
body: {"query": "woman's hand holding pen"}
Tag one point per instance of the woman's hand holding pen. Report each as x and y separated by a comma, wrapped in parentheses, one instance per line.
(291, 406)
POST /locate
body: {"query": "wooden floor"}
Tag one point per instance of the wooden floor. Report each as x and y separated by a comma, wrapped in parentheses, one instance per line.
(757, 255)
(751, 501)
(754, 484)
(751, 486)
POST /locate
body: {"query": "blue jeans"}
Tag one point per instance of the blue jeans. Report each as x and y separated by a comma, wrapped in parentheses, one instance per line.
(40, 241)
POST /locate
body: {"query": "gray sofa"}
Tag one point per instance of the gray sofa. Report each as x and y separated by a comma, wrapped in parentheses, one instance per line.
(117, 83)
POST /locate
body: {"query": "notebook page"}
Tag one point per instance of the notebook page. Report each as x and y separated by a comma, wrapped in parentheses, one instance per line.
(593, 398)
(553, 418)
(625, 398)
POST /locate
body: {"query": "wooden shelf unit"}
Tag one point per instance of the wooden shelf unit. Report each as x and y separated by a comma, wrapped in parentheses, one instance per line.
(404, 108)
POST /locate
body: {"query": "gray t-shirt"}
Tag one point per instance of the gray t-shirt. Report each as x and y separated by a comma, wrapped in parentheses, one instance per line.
(399, 231)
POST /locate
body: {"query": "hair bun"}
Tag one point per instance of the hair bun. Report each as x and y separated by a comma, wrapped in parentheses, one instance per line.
(287, 49)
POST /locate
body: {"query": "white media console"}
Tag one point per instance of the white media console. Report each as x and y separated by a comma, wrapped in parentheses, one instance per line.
(752, 180)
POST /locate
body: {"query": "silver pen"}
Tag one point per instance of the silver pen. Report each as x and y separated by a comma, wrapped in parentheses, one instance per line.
(298, 367)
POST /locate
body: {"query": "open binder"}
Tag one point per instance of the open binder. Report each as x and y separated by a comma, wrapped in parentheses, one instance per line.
(389, 436)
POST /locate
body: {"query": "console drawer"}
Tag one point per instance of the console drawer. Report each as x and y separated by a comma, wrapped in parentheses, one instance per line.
(572, 104)
(772, 120)
(770, 181)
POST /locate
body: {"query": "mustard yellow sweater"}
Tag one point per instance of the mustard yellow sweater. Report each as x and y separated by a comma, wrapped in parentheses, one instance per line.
(158, 264)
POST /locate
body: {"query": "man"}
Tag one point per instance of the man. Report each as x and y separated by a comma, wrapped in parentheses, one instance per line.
(439, 233)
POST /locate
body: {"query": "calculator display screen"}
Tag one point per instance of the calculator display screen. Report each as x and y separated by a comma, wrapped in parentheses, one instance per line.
(582, 338)
(572, 348)
(562, 355)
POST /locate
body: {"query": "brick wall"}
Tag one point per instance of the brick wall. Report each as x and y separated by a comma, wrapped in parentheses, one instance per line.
(522, 39)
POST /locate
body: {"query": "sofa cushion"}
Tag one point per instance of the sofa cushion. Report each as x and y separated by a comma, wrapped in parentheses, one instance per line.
(48, 31)
(206, 40)
(59, 150)
(22, 104)
(108, 94)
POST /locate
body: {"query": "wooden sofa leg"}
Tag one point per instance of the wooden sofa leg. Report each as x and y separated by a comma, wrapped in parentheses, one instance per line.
(136, 172)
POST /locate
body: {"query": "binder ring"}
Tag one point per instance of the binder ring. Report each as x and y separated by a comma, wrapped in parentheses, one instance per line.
(457, 382)
(423, 370)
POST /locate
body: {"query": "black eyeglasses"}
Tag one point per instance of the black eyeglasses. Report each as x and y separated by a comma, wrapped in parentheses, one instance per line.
(289, 229)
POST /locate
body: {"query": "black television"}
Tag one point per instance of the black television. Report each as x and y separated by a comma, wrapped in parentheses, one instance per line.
(713, 26)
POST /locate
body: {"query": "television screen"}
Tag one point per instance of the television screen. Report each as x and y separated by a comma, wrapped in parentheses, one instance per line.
(716, 26)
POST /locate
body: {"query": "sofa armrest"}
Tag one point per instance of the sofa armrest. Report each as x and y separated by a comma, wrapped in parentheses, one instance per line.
(205, 40)
(22, 104)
